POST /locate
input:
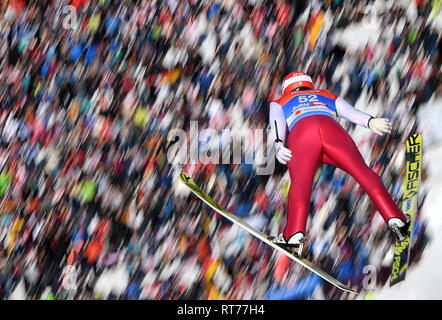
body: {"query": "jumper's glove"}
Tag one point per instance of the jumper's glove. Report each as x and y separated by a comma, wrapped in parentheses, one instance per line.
(380, 125)
(282, 153)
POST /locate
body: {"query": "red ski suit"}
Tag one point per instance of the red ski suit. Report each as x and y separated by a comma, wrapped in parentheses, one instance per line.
(315, 137)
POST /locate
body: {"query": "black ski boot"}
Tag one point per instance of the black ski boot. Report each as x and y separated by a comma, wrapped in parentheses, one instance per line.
(296, 241)
(399, 228)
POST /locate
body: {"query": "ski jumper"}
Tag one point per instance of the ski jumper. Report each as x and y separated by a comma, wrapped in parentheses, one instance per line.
(315, 137)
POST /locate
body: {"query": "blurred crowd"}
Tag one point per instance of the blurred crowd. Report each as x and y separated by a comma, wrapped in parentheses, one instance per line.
(89, 93)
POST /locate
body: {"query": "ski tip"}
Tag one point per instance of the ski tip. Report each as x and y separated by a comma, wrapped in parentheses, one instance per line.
(414, 137)
(345, 288)
(184, 177)
(350, 290)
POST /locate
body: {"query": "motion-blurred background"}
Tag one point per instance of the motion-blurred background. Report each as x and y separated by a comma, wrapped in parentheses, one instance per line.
(90, 205)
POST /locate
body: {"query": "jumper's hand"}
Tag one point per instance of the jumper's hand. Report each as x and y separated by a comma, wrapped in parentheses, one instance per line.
(380, 125)
(282, 153)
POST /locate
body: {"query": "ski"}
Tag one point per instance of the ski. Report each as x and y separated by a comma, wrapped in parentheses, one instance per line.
(409, 205)
(188, 182)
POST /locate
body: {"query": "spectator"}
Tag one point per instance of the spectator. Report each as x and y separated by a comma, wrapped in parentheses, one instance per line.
(85, 180)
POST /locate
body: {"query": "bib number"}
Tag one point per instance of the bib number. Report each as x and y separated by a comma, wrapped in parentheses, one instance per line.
(308, 98)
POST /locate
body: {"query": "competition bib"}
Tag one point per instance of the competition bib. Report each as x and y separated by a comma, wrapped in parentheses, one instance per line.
(311, 102)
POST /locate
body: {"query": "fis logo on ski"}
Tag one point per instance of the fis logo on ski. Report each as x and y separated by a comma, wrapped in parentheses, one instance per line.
(409, 204)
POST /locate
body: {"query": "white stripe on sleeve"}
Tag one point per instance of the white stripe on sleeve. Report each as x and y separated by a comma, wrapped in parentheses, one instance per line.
(347, 111)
